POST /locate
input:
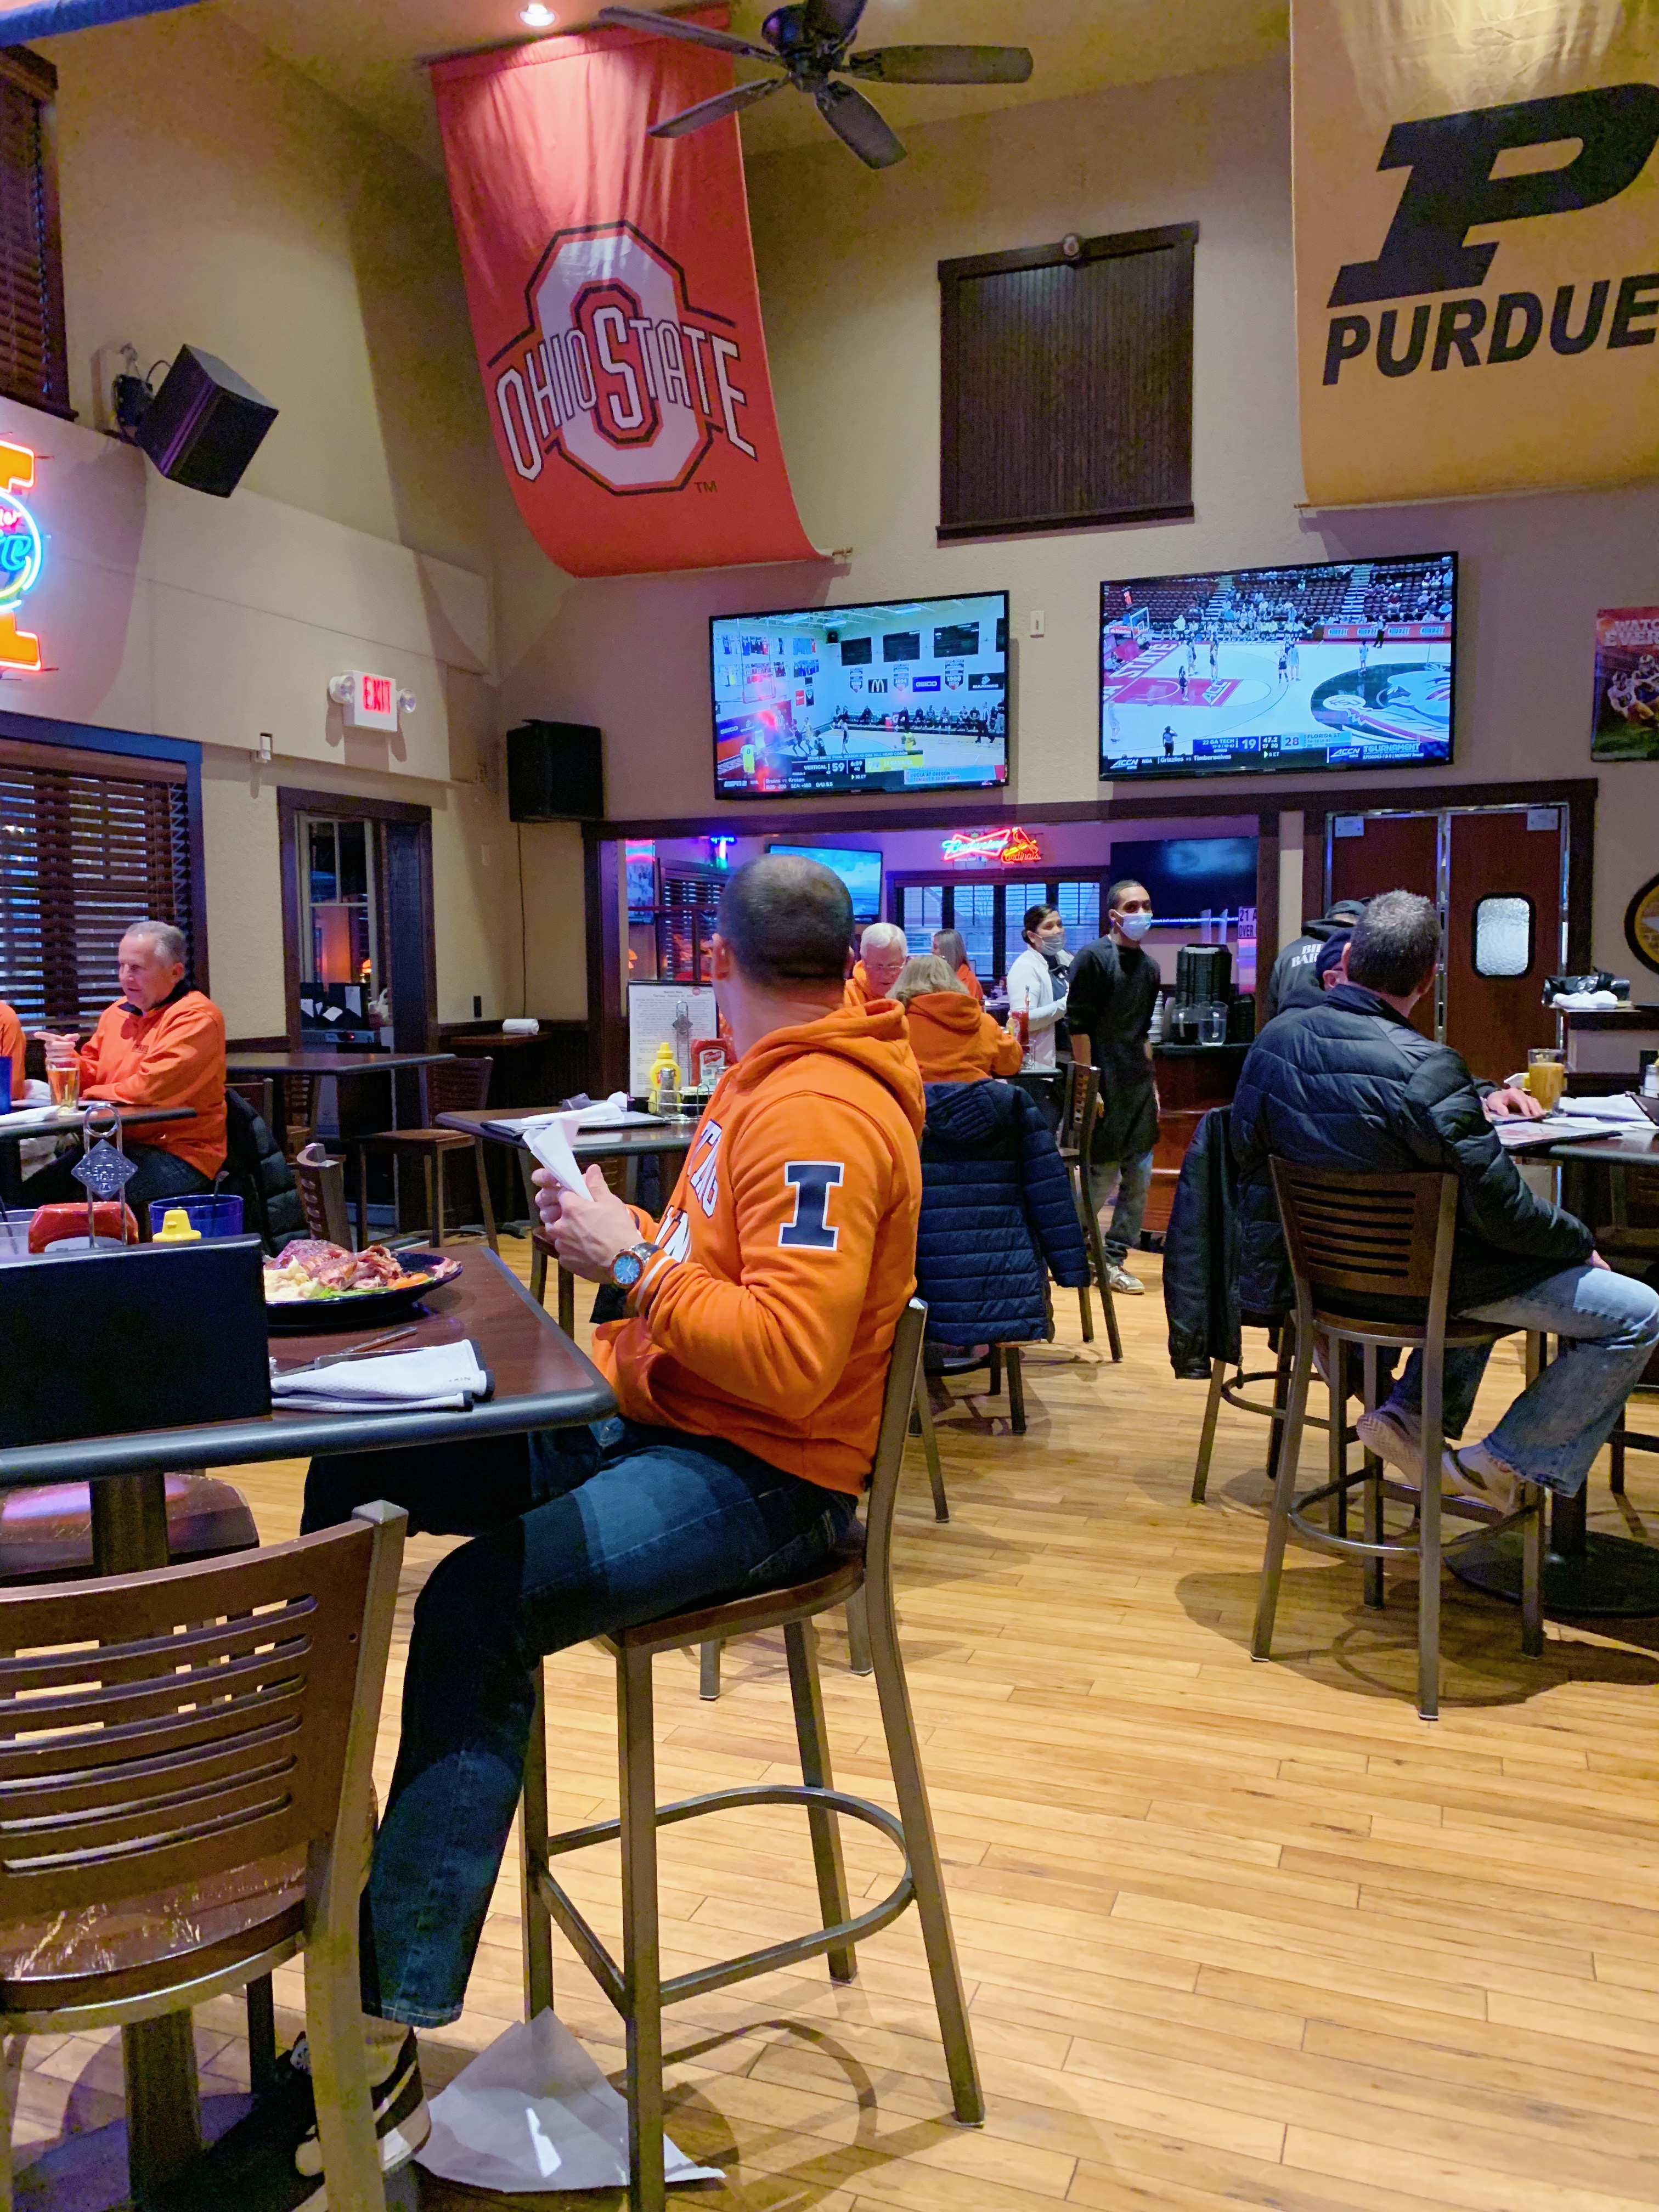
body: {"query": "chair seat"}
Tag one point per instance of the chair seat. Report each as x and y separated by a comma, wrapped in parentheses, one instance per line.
(46, 1531)
(1358, 1330)
(106, 1953)
(432, 1140)
(746, 1615)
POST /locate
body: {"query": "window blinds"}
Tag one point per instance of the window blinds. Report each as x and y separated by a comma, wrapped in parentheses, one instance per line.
(89, 842)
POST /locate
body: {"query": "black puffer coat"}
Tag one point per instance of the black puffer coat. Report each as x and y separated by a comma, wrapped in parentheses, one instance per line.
(996, 1201)
(1201, 1254)
(1350, 1084)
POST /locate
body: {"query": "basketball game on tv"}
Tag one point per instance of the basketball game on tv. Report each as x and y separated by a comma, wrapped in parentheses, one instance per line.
(1344, 664)
(905, 696)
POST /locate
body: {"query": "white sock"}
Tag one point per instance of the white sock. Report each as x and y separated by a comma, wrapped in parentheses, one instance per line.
(383, 2040)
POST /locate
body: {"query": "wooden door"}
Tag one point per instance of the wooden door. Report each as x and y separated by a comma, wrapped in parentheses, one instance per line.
(1503, 934)
(1373, 853)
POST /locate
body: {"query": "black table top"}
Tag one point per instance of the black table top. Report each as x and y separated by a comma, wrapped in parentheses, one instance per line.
(1640, 1148)
(327, 1063)
(599, 1144)
(542, 1382)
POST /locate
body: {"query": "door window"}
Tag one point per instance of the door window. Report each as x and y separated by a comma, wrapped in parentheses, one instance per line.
(1503, 935)
(340, 950)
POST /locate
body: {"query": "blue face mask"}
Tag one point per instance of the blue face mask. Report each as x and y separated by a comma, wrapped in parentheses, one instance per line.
(1135, 925)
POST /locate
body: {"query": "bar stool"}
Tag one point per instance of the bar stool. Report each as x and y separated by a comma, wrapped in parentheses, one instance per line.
(1359, 1238)
(1080, 1112)
(635, 1986)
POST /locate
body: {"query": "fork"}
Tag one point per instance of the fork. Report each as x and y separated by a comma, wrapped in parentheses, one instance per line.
(334, 1359)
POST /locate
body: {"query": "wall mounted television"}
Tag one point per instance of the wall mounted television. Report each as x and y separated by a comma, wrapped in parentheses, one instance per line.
(858, 866)
(1187, 877)
(1341, 664)
(901, 694)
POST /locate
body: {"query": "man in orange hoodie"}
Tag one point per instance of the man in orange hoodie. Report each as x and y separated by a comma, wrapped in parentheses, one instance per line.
(952, 1040)
(749, 1359)
(161, 1044)
(882, 952)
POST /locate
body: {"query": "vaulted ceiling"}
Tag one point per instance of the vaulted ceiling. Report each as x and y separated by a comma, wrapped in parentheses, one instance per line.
(367, 52)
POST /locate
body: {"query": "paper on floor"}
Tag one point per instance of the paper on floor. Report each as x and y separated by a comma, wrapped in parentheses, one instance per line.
(534, 2112)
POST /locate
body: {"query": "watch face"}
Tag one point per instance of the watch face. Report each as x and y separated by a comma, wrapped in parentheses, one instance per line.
(626, 1269)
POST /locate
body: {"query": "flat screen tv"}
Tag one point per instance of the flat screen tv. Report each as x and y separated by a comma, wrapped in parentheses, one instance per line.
(902, 695)
(1343, 664)
(1187, 877)
(858, 868)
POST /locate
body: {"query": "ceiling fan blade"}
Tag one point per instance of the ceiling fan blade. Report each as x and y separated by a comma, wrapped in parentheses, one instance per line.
(674, 26)
(715, 110)
(863, 127)
(942, 65)
(833, 21)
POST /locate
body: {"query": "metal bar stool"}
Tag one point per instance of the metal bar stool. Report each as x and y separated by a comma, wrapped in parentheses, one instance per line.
(1234, 1393)
(1381, 1238)
(636, 1986)
(1080, 1112)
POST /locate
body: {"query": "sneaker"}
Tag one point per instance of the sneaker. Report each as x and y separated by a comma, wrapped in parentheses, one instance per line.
(1396, 1438)
(402, 2122)
(1122, 1284)
(1484, 1476)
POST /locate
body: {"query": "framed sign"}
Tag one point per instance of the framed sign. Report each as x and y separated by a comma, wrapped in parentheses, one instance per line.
(1626, 722)
(1642, 924)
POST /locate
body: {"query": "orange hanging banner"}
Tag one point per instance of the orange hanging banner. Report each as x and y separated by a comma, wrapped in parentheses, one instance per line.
(610, 280)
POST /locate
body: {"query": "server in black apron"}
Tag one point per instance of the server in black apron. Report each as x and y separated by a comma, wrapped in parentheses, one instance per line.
(1113, 991)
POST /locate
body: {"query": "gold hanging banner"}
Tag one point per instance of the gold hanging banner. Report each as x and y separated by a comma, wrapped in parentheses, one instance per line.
(1477, 245)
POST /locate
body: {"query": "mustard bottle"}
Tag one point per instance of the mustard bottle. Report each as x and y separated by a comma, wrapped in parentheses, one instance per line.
(176, 1229)
(665, 1092)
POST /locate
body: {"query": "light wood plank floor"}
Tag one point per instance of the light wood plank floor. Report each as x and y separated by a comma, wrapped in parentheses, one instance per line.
(1233, 1933)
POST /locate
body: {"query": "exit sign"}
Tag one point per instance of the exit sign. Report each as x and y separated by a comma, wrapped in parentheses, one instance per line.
(372, 703)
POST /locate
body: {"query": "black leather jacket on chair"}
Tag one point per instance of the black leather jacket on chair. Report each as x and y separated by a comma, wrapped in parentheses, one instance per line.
(1350, 1084)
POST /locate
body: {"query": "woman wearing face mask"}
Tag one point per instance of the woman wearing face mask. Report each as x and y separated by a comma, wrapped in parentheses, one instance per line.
(1114, 987)
(1036, 989)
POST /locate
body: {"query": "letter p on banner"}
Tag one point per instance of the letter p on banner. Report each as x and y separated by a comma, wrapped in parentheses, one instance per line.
(1500, 195)
(610, 283)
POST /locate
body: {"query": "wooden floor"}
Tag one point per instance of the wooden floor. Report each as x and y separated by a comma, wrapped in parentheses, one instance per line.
(1232, 1933)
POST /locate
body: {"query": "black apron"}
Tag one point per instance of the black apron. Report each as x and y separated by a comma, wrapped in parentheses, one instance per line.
(1113, 991)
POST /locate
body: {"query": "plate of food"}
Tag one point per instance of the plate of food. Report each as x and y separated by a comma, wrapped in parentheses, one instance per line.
(312, 1286)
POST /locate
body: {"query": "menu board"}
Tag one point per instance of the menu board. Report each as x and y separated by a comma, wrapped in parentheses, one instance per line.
(674, 1013)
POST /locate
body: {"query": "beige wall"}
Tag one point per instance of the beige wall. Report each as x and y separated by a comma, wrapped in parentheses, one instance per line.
(847, 260)
(212, 195)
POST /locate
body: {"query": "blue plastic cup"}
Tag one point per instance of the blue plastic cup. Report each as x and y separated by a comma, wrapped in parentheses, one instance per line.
(210, 1213)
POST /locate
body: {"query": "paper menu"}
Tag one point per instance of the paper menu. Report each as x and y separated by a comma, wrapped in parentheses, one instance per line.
(549, 1138)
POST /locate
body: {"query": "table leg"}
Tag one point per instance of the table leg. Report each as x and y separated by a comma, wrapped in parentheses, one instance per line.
(158, 2057)
(567, 1303)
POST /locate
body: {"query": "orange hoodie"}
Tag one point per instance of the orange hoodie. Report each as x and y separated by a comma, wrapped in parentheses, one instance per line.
(971, 984)
(785, 1255)
(856, 996)
(955, 1043)
(11, 1048)
(173, 1055)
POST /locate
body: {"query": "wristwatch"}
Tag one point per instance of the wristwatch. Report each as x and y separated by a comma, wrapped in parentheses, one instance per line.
(628, 1267)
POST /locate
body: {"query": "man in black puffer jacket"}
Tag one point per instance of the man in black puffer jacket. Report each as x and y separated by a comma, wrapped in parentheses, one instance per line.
(1351, 1085)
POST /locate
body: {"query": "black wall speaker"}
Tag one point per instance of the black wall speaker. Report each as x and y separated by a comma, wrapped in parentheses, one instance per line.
(556, 772)
(204, 425)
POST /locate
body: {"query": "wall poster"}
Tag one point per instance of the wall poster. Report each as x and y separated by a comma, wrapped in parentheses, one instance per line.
(1626, 721)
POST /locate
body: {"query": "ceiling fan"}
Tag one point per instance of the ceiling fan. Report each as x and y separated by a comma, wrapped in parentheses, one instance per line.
(811, 40)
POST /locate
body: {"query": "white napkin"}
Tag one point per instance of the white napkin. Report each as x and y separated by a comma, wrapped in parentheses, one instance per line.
(533, 2112)
(1623, 1108)
(550, 1137)
(433, 1378)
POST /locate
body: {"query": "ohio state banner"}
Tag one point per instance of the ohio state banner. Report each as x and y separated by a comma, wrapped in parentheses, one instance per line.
(1477, 245)
(610, 281)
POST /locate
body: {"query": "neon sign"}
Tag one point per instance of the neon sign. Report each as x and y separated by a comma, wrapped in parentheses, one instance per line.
(1009, 848)
(21, 557)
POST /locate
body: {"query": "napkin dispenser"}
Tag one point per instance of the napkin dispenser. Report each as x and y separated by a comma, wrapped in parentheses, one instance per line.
(156, 1337)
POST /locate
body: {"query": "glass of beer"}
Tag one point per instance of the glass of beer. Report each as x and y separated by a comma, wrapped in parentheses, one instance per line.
(64, 1077)
(1547, 1078)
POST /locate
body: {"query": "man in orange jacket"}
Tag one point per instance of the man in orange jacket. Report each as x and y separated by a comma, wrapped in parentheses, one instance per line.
(882, 952)
(749, 1355)
(162, 1043)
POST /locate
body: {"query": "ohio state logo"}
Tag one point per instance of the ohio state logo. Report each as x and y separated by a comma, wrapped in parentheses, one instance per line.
(617, 371)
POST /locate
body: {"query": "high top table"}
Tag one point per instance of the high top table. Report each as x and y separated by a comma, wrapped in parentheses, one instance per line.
(542, 1382)
(1594, 1576)
(42, 1121)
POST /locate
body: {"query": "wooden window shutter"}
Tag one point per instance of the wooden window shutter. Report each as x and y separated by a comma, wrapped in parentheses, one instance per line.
(89, 842)
(1067, 385)
(34, 360)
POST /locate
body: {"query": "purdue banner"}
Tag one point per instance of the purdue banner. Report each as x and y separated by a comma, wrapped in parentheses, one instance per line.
(1477, 245)
(611, 282)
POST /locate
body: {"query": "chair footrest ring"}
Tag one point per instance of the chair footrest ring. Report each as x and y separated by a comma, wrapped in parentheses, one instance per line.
(724, 1971)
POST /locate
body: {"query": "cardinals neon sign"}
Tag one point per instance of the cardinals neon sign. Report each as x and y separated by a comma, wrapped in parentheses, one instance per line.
(1011, 848)
(22, 558)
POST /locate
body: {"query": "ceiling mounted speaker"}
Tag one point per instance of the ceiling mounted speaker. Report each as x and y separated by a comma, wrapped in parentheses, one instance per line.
(205, 424)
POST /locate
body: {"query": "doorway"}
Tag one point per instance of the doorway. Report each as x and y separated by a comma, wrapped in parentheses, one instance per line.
(360, 968)
(1499, 876)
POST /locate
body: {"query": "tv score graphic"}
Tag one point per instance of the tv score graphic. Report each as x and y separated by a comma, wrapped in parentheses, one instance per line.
(1332, 665)
(900, 696)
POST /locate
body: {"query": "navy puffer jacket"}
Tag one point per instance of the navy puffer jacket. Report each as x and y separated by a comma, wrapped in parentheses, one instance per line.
(1350, 1084)
(996, 1203)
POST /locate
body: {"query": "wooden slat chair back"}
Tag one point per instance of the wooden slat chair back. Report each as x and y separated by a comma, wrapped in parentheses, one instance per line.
(185, 1760)
(321, 1183)
(1080, 1111)
(1366, 1239)
(447, 1086)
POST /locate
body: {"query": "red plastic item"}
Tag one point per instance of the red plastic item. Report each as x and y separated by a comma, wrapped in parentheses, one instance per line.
(111, 1218)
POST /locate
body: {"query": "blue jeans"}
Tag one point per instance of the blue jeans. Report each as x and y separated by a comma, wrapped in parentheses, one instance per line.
(1551, 1433)
(158, 1174)
(579, 1531)
(1134, 1180)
